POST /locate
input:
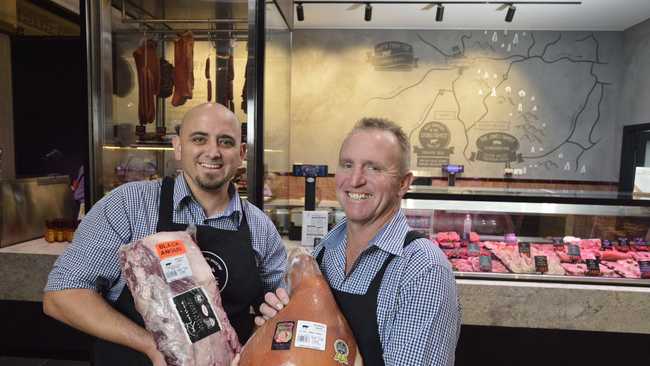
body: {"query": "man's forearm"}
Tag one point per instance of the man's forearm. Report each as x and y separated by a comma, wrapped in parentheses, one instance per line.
(87, 311)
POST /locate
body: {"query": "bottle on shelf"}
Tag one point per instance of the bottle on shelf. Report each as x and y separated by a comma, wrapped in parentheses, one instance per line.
(467, 226)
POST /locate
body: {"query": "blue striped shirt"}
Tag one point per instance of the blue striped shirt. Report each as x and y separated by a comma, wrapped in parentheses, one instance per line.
(130, 212)
(418, 313)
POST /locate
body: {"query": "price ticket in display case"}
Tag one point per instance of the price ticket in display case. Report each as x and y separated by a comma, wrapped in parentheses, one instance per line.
(314, 227)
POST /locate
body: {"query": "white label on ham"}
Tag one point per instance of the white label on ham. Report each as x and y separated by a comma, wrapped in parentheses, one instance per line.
(311, 335)
(175, 268)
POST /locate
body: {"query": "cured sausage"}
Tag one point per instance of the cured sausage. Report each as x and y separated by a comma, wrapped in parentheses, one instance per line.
(148, 68)
(183, 68)
(166, 79)
(310, 330)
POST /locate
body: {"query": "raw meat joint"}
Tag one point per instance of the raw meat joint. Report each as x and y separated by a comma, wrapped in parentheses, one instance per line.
(310, 330)
(175, 292)
(183, 69)
(148, 67)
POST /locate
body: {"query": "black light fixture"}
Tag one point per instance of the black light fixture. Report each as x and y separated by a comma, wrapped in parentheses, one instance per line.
(440, 12)
(511, 13)
(368, 13)
(300, 12)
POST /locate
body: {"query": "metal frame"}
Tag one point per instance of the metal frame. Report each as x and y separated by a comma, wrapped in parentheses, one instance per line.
(126, 19)
(255, 101)
(100, 81)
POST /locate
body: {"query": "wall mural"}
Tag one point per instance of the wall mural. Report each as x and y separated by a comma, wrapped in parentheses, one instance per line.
(543, 103)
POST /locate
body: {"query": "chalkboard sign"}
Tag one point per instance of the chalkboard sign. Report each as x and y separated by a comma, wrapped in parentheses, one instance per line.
(524, 248)
(541, 264)
(485, 263)
(473, 249)
(606, 244)
(644, 267)
(574, 250)
(593, 267)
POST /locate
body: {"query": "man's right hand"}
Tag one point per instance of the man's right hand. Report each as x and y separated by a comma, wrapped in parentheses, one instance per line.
(157, 358)
(273, 302)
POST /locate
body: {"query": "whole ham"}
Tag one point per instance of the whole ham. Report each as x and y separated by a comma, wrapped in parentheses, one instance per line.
(183, 69)
(148, 67)
(310, 330)
(175, 292)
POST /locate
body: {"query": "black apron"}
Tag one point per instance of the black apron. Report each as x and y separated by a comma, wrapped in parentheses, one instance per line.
(232, 259)
(361, 310)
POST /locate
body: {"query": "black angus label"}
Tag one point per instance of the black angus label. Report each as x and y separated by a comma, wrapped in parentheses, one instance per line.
(593, 267)
(524, 248)
(283, 335)
(541, 264)
(197, 314)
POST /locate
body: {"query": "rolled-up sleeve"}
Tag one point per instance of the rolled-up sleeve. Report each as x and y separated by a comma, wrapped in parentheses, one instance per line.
(94, 249)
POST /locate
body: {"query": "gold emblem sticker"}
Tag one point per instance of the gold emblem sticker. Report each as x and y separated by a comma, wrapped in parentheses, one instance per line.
(341, 351)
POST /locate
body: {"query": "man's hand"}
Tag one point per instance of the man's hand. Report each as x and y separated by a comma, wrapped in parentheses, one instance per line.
(273, 302)
(157, 358)
(235, 361)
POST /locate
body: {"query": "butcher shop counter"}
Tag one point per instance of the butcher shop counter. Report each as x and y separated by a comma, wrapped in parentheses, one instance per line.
(520, 304)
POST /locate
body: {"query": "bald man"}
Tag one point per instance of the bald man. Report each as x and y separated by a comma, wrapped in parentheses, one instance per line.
(85, 289)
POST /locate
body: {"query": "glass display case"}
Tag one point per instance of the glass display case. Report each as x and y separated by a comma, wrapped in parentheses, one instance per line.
(581, 239)
(149, 64)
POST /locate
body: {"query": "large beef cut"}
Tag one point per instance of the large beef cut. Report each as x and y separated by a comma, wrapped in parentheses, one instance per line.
(178, 297)
(310, 330)
(183, 69)
(148, 67)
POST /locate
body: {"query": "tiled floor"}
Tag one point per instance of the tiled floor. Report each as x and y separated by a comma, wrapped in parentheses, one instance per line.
(19, 361)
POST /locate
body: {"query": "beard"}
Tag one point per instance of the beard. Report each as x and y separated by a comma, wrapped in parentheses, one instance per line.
(210, 184)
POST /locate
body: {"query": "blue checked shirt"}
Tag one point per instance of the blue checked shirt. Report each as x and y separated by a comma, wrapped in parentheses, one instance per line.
(418, 313)
(130, 212)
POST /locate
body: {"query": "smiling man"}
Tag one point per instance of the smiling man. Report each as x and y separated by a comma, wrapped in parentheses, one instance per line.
(85, 289)
(396, 289)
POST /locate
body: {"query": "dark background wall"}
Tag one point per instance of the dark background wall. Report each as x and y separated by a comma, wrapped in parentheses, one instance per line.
(50, 105)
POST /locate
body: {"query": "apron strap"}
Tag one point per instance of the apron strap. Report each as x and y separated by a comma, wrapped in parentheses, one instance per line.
(166, 210)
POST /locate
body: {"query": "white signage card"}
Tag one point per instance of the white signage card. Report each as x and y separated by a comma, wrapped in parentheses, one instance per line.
(642, 180)
(314, 227)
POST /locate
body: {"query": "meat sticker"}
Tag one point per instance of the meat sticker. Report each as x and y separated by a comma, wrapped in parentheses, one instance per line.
(168, 249)
(197, 314)
(341, 351)
(283, 335)
(311, 335)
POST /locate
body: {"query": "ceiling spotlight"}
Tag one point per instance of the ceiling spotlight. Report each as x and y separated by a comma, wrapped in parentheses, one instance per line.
(368, 13)
(440, 12)
(511, 13)
(300, 12)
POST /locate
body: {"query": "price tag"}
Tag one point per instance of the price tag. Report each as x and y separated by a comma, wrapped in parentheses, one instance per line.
(541, 263)
(473, 249)
(311, 335)
(574, 250)
(593, 268)
(314, 227)
(485, 263)
(524, 248)
(644, 267)
(606, 244)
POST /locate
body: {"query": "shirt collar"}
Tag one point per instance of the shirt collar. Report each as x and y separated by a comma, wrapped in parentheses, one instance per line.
(182, 194)
(390, 237)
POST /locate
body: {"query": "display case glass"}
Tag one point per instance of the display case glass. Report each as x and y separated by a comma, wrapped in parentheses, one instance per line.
(577, 242)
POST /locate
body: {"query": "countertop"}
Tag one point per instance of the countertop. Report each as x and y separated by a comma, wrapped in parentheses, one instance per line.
(24, 268)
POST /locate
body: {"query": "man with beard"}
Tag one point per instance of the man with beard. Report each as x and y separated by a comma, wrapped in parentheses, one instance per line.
(238, 240)
(395, 288)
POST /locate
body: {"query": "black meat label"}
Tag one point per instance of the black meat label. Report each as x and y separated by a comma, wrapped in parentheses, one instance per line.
(283, 335)
(524, 248)
(593, 267)
(541, 263)
(197, 314)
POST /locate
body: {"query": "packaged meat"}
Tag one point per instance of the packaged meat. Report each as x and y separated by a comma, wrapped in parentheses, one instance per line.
(183, 69)
(175, 292)
(310, 330)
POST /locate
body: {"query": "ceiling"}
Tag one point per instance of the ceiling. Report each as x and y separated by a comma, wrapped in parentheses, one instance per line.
(596, 15)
